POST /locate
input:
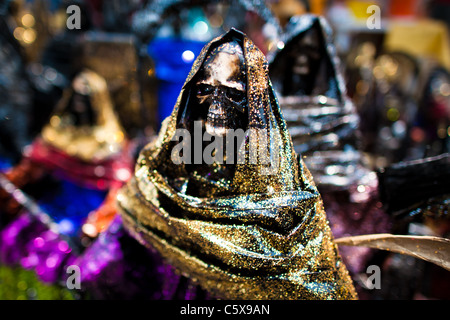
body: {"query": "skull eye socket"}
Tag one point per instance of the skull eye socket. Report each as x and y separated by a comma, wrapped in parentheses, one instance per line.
(234, 94)
(204, 89)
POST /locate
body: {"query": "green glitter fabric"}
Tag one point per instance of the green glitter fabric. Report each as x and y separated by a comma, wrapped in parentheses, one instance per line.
(17, 283)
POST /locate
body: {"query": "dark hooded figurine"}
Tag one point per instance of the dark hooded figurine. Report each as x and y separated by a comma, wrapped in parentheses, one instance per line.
(245, 229)
(324, 124)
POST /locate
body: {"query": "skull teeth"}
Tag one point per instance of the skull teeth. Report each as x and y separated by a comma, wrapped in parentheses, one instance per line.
(216, 125)
(217, 120)
(221, 116)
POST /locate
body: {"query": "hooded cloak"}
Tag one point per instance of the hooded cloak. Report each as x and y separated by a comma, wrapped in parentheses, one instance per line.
(95, 139)
(264, 235)
(323, 123)
(87, 146)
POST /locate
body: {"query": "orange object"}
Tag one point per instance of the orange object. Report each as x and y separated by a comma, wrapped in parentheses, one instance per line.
(318, 6)
(100, 219)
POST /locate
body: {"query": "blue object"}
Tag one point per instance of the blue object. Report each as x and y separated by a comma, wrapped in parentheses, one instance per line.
(5, 164)
(69, 205)
(173, 59)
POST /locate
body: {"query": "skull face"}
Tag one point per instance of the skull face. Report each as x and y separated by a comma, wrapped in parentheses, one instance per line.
(80, 110)
(307, 53)
(299, 68)
(221, 89)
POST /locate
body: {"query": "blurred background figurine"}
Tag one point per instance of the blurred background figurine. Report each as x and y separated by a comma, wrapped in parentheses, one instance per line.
(61, 195)
(324, 125)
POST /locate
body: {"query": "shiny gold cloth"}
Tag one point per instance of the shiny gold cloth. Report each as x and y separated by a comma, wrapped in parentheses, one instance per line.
(265, 237)
(88, 142)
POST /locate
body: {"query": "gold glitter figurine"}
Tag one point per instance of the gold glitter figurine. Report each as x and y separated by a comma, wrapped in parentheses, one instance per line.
(241, 226)
(84, 124)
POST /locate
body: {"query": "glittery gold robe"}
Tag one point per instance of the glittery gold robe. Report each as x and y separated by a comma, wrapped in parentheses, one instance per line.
(258, 236)
(89, 142)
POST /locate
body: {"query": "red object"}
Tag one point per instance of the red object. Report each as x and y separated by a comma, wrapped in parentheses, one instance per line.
(404, 8)
(103, 175)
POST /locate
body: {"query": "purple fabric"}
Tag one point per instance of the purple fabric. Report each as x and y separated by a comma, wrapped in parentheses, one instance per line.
(115, 266)
(31, 244)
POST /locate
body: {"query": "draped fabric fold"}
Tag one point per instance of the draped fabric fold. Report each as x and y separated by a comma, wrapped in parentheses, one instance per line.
(431, 249)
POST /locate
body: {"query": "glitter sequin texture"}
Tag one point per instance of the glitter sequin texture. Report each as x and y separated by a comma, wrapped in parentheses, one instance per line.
(267, 237)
